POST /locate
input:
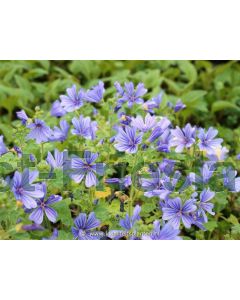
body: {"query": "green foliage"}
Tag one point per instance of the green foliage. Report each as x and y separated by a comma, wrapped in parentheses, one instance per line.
(210, 91)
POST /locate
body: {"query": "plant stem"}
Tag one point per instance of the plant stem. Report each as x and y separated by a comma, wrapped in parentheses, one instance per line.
(42, 149)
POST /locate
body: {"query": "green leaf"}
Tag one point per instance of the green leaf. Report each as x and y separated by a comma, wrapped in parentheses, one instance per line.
(63, 210)
(233, 220)
(222, 105)
(211, 225)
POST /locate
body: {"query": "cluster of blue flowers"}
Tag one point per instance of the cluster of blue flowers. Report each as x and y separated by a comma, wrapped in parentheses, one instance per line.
(187, 202)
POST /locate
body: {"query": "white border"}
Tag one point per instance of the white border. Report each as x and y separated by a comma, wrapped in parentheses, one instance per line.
(119, 270)
(126, 29)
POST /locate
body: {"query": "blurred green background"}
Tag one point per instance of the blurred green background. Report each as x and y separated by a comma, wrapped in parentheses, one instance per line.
(210, 89)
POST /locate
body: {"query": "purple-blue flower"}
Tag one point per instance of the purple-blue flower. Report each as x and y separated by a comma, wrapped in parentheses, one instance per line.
(208, 141)
(183, 138)
(152, 185)
(169, 184)
(60, 134)
(123, 182)
(124, 119)
(144, 126)
(204, 205)
(167, 232)
(167, 166)
(32, 158)
(198, 219)
(230, 181)
(57, 110)
(73, 100)
(163, 143)
(22, 116)
(33, 227)
(220, 154)
(84, 127)
(179, 106)
(96, 93)
(153, 103)
(57, 161)
(206, 173)
(129, 222)
(24, 190)
(44, 206)
(127, 140)
(3, 148)
(129, 94)
(159, 129)
(84, 225)
(39, 131)
(18, 151)
(86, 168)
(175, 212)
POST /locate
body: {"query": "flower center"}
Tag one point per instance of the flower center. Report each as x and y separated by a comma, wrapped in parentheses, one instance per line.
(42, 204)
(20, 190)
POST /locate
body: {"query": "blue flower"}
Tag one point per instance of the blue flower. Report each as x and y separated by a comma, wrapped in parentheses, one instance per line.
(39, 131)
(84, 127)
(3, 148)
(24, 190)
(183, 138)
(152, 185)
(204, 205)
(58, 160)
(127, 140)
(57, 110)
(73, 100)
(163, 143)
(169, 184)
(198, 220)
(22, 116)
(86, 168)
(206, 173)
(167, 166)
(153, 103)
(129, 94)
(159, 129)
(219, 154)
(44, 206)
(167, 232)
(84, 225)
(208, 141)
(60, 134)
(32, 158)
(18, 151)
(179, 106)
(174, 211)
(230, 181)
(129, 222)
(33, 227)
(138, 123)
(96, 93)
(123, 182)
(124, 119)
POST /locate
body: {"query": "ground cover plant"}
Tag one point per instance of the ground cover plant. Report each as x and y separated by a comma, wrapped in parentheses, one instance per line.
(143, 150)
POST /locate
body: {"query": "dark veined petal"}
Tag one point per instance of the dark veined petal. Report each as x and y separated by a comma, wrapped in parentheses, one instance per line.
(92, 221)
(51, 214)
(37, 216)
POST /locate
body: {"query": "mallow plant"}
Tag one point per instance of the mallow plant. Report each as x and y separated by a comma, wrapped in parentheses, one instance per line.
(113, 166)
